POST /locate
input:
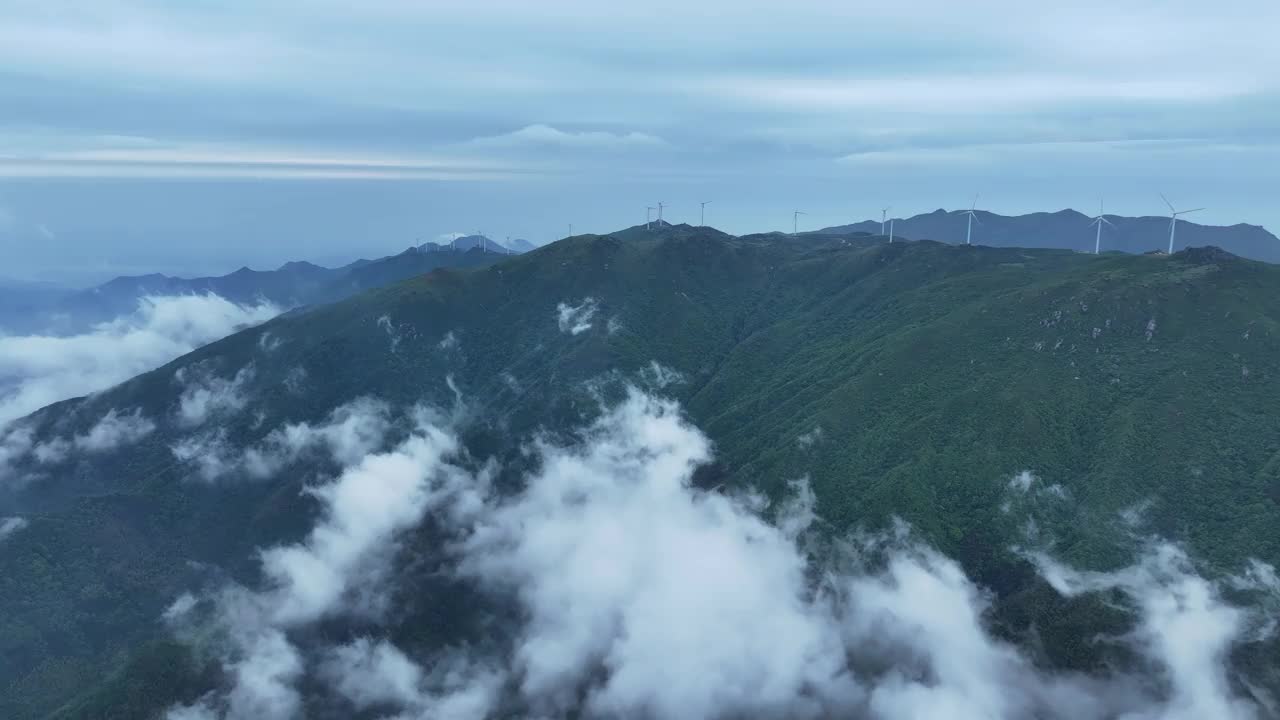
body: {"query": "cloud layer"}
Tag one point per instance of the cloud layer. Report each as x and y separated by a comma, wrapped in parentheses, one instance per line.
(38, 370)
(639, 596)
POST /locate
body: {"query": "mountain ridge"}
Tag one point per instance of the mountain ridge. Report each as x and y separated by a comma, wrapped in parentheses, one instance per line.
(1069, 229)
(933, 373)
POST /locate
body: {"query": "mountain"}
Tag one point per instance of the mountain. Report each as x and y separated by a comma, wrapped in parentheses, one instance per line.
(293, 284)
(20, 298)
(1069, 230)
(477, 242)
(918, 380)
(521, 245)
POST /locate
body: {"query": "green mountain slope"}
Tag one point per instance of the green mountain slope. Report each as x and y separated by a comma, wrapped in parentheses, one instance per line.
(911, 380)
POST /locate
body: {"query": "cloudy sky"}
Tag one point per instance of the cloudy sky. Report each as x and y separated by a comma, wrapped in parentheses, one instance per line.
(141, 135)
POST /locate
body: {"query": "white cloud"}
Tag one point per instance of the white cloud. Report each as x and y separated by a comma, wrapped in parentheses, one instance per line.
(370, 674)
(660, 377)
(37, 370)
(1186, 627)
(269, 342)
(296, 380)
(350, 432)
(110, 432)
(1022, 481)
(363, 510)
(209, 452)
(545, 136)
(639, 596)
(205, 395)
(114, 430)
(15, 443)
(179, 607)
(576, 319)
(341, 566)
(11, 525)
(809, 439)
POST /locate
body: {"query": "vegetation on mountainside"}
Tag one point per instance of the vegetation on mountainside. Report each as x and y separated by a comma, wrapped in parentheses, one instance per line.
(912, 380)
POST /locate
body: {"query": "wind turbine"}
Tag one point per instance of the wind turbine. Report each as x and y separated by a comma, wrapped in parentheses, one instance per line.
(570, 229)
(1102, 218)
(1173, 219)
(660, 207)
(891, 230)
(702, 220)
(883, 212)
(648, 212)
(968, 233)
(795, 221)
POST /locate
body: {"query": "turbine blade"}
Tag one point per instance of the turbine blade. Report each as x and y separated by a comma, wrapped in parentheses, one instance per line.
(1107, 222)
(1166, 202)
(1184, 212)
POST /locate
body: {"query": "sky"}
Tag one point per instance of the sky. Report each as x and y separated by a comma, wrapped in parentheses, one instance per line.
(193, 138)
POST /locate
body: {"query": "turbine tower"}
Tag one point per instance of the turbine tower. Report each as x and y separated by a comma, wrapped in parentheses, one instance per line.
(883, 212)
(702, 219)
(891, 230)
(660, 207)
(648, 212)
(795, 221)
(1102, 218)
(968, 233)
(1173, 219)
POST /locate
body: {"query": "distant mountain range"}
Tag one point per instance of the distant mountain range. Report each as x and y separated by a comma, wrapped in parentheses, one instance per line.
(42, 308)
(1070, 230)
(487, 244)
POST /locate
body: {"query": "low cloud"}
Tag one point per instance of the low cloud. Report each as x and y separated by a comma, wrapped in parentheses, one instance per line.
(11, 525)
(112, 431)
(349, 433)
(341, 567)
(660, 377)
(809, 439)
(205, 395)
(576, 319)
(36, 370)
(640, 596)
(1186, 627)
(15, 443)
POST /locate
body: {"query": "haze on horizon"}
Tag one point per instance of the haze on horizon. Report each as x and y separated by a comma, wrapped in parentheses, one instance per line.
(139, 136)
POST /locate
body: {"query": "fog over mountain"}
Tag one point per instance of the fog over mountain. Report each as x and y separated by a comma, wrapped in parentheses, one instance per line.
(599, 479)
(642, 596)
(512, 360)
(38, 370)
